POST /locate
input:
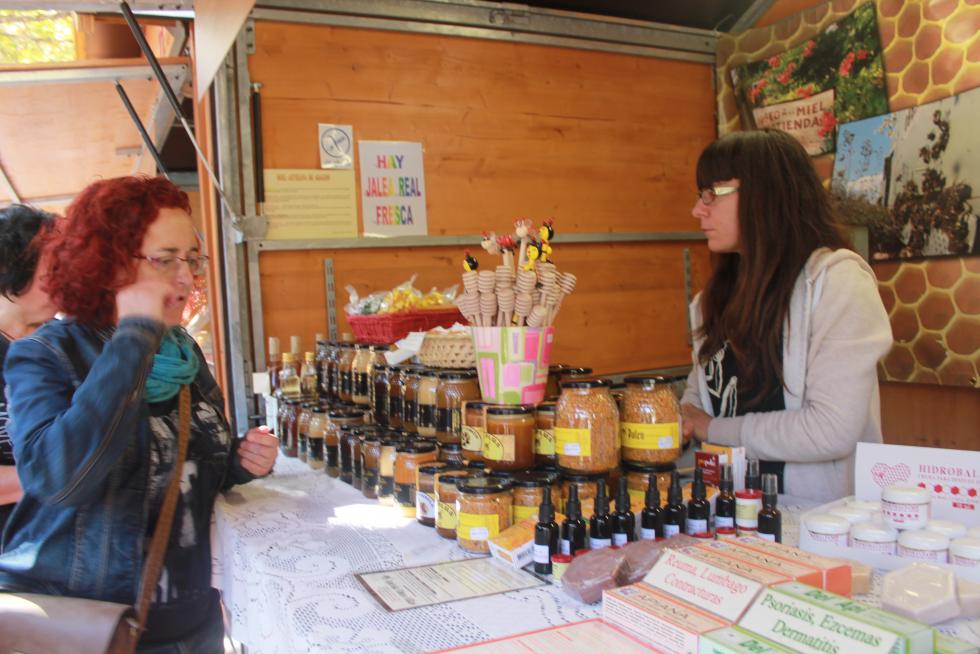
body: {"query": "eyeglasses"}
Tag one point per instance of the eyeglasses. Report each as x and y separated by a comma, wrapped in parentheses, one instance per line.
(168, 265)
(708, 195)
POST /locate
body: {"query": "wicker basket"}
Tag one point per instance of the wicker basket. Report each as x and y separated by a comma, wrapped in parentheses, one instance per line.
(452, 350)
(391, 327)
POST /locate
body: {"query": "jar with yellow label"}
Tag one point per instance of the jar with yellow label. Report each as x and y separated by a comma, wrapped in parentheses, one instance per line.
(396, 396)
(345, 372)
(425, 491)
(370, 465)
(587, 427)
(408, 457)
(474, 427)
(483, 507)
(446, 494)
(529, 490)
(426, 418)
(508, 443)
(544, 435)
(638, 479)
(410, 398)
(587, 490)
(316, 433)
(650, 430)
(455, 388)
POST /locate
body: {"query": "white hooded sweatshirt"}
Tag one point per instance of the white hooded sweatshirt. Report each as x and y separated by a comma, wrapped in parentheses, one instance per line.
(835, 333)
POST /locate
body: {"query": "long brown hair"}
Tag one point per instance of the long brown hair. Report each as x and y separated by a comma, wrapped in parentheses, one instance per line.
(784, 214)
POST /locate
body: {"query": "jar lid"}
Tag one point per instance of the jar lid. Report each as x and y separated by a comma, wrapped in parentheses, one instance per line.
(864, 505)
(432, 467)
(561, 558)
(483, 486)
(453, 478)
(923, 540)
(428, 374)
(572, 475)
(905, 494)
(658, 468)
(502, 474)
(319, 409)
(478, 465)
(549, 468)
(345, 345)
(416, 447)
(512, 410)
(292, 402)
(450, 447)
(457, 375)
(852, 515)
(874, 532)
(531, 480)
(948, 528)
(306, 405)
(389, 441)
(586, 383)
(372, 439)
(646, 380)
(546, 407)
(555, 367)
(476, 405)
(968, 548)
(825, 523)
(564, 372)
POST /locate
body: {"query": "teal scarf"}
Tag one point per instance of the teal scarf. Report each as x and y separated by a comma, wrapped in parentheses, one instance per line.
(174, 365)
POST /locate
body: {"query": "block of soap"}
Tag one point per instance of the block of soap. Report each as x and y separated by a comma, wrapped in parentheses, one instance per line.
(860, 578)
(949, 645)
(968, 593)
(924, 592)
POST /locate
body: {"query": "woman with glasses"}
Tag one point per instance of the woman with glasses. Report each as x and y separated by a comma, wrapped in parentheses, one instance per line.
(94, 418)
(24, 306)
(790, 327)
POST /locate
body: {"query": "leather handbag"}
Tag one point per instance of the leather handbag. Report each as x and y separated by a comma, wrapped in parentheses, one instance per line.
(49, 624)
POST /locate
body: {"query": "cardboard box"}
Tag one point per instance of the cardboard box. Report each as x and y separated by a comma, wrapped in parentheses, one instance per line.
(714, 589)
(835, 574)
(792, 570)
(764, 576)
(671, 625)
(949, 645)
(913, 637)
(733, 640)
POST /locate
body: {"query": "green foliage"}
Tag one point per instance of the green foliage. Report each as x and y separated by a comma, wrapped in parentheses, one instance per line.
(28, 37)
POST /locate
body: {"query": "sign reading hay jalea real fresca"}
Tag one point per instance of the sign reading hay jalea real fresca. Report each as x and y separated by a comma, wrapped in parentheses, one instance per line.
(392, 188)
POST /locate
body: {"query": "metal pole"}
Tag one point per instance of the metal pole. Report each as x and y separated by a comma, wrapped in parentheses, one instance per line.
(147, 141)
(257, 130)
(172, 98)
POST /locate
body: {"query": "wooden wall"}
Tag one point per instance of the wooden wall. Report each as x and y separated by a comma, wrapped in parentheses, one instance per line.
(600, 142)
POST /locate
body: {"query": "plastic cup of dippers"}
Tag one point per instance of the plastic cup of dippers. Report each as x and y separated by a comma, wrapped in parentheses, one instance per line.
(906, 507)
(827, 528)
(924, 546)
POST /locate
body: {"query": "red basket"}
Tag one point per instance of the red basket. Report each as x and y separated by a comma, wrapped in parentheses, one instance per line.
(391, 327)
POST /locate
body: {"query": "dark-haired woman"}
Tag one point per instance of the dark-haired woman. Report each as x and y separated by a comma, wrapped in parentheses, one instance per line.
(790, 327)
(94, 418)
(24, 306)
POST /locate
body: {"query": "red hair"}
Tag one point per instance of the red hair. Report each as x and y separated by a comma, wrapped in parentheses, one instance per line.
(101, 234)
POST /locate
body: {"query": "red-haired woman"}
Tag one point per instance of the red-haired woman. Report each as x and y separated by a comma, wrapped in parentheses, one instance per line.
(790, 327)
(94, 415)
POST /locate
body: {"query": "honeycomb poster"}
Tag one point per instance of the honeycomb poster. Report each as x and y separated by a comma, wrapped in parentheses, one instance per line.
(834, 77)
(923, 165)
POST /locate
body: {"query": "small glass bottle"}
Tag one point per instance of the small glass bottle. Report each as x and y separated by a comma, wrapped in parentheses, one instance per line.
(322, 354)
(274, 365)
(289, 386)
(624, 521)
(748, 502)
(379, 397)
(308, 378)
(600, 524)
(573, 527)
(725, 502)
(770, 519)
(652, 516)
(303, 430)
(317, 431)
(546, 535)
(698, 508)
(675, 515)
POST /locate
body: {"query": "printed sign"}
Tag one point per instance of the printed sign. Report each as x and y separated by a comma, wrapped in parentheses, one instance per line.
(392, 188)
(336, 144)
(310, 204)
(803, 119)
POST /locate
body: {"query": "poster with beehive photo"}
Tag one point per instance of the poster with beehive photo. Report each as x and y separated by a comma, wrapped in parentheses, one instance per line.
(807, 90)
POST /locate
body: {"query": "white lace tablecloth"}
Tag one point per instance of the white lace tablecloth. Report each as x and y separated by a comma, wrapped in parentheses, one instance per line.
(286, 549)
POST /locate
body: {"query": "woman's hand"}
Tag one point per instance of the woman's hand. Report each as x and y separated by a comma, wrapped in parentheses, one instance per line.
(695, 422)
(146, 299)
(258, 450)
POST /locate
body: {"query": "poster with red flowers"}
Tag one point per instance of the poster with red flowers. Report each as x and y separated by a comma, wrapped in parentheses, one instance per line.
(839, 73)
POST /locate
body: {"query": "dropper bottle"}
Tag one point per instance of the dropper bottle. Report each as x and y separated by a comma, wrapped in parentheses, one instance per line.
(624, 522)
(546, 534)
(770, 519)
(600, 524)
(698, 508)
(675, 515)
(573, 527)
(725, 504)
(652, 516)
(748, 502)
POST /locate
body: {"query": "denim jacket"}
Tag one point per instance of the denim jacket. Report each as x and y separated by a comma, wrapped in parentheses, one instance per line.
(82, 444)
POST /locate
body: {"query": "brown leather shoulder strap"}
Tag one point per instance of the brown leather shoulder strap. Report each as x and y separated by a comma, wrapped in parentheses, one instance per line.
(161, 533)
